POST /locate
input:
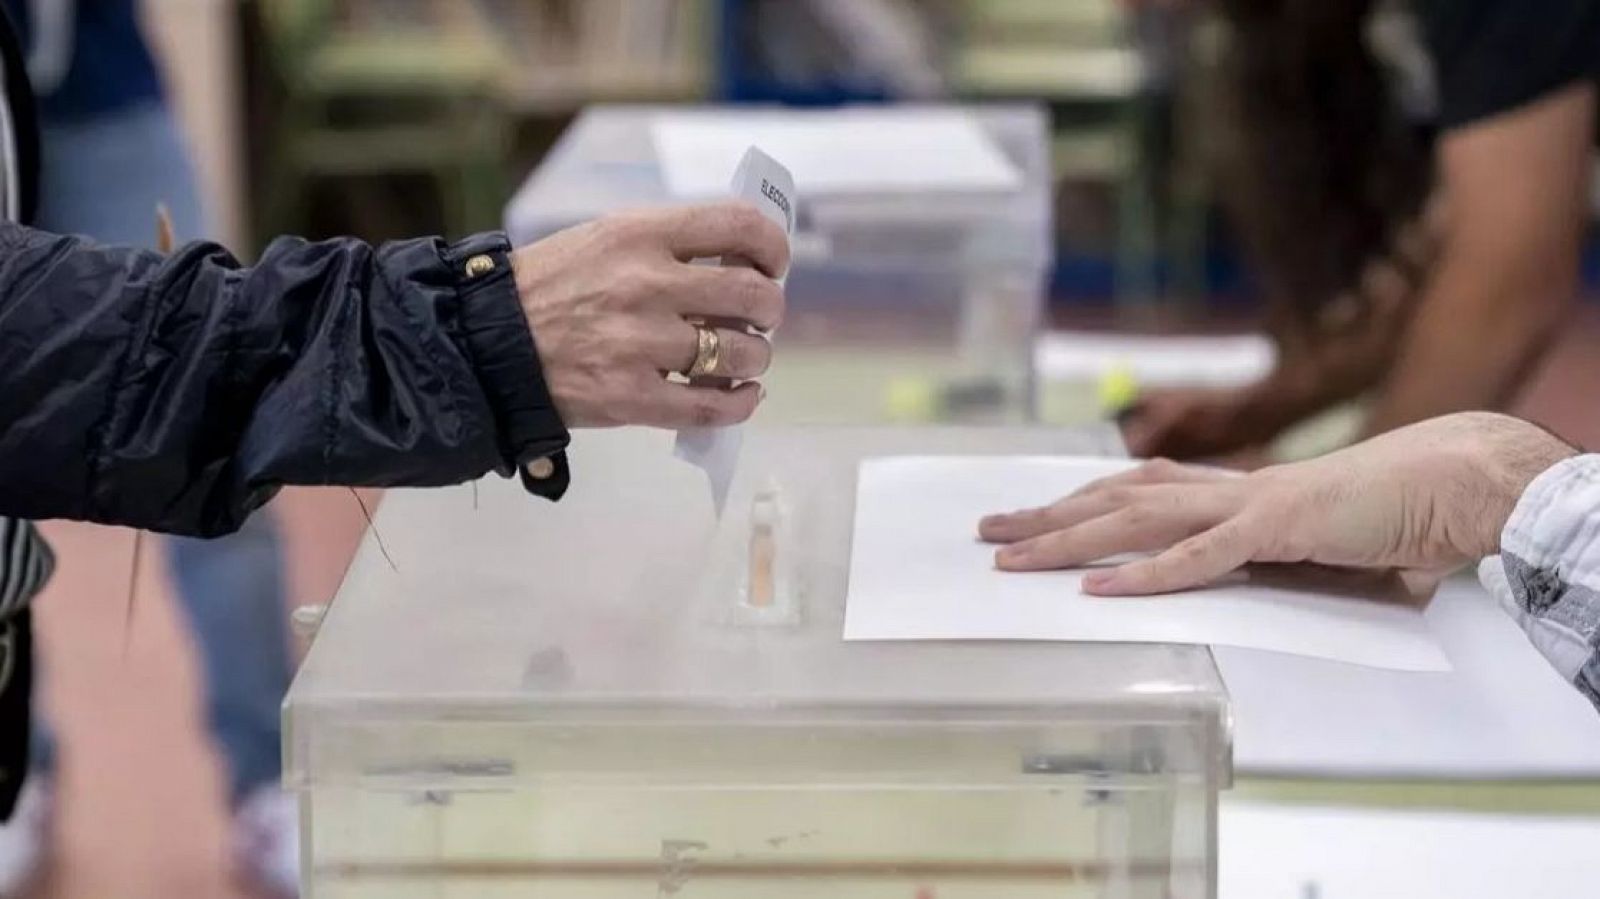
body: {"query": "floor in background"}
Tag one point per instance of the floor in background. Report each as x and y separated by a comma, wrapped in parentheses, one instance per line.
(141, 812)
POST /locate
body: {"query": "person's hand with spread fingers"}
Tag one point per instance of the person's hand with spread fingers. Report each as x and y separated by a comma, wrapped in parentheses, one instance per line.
(1430, 497)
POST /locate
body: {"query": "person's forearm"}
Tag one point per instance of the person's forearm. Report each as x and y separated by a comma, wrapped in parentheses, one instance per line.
(1472, 342)
(178, 393)
(1515, 191)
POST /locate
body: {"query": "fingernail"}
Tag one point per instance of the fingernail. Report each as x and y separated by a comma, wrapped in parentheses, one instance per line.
(761, 393)
(1009, 555)
(1100, 580)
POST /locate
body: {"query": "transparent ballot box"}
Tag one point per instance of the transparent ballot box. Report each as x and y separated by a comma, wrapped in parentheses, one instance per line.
(907, 302)
(621, 696)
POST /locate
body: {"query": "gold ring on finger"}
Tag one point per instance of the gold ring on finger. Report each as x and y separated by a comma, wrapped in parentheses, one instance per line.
(707, 354)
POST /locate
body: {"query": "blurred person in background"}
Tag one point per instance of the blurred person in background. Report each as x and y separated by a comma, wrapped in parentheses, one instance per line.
(112, 152)
(1426, 267)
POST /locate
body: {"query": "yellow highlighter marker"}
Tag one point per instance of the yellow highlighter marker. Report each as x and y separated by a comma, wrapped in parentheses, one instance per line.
(1118, 391)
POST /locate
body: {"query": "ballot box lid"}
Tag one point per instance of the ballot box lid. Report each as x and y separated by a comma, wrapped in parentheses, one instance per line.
(879, 201)
(482, 609)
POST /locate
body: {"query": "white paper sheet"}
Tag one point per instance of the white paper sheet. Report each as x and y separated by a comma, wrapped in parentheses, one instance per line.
(1310, 852)
(764, 183)
(850, 151)
(918, 572)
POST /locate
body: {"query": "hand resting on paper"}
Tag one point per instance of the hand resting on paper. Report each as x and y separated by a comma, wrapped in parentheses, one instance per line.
(1428, 497)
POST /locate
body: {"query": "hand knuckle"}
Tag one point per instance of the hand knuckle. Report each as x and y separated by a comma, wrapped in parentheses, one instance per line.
(646, 284)
(615, 390)
(776, 303)
(616, 342)
(747, 358)
(622, 291)
(781, 250)
(744, 218)
(762, 351)
(1162, 468)
(720, 219)
(753, 298)
(736, 359)
(706, 411)
(740, 293)
(1171, 501)
(623, 227)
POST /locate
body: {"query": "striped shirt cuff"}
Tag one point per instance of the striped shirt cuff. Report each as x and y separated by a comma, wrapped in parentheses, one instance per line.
(1547, 576)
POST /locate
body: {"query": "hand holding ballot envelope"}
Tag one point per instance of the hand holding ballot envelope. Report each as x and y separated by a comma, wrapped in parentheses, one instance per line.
(1428, 497)
(615, 305)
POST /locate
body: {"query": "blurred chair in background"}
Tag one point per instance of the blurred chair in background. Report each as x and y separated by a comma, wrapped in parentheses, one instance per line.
(112, 153)
(380, 88)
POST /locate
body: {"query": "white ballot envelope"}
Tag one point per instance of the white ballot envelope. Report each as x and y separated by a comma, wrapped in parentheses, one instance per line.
(762, 181)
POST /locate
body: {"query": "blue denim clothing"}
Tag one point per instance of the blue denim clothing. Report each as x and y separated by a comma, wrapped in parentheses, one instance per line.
(103, 177)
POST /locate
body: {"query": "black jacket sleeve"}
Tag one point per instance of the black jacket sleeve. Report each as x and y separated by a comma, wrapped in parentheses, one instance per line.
(178, 393)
